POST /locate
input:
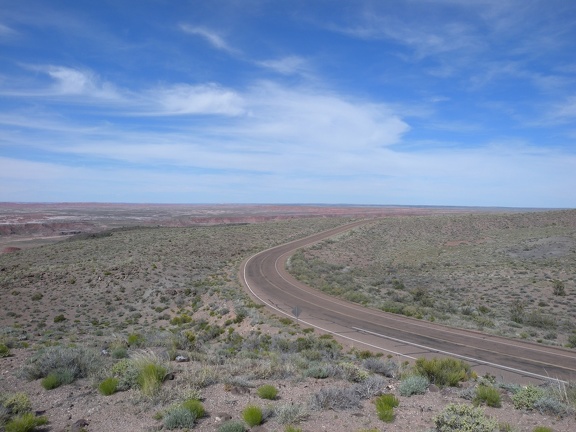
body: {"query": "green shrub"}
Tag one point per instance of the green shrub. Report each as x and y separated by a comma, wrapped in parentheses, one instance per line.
(413, 384)
(25, 423)
(252, 415)
(488, 395)
(388, 399)
(150, 377)
(542, 429)
(527, 396)
(4, 350)
(17, 403)
(57, 378)
(385, 413)
(232, 426)
(267, 391)
(108, 386)
(195, 407)
(464, 418)
(291, 428)
(59, 318)
(385, 405)
(135, 340)
(443, 372)
(179, 418)
(119, 353)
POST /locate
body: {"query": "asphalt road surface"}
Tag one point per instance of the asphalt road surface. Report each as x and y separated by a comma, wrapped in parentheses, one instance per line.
(264, 275)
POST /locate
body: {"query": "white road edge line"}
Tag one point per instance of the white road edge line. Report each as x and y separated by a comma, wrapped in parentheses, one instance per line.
(472, 359)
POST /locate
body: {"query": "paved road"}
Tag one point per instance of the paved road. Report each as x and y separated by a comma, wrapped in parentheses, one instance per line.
(266, 278)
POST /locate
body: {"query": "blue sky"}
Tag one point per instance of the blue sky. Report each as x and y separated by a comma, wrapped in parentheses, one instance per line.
(409, 102)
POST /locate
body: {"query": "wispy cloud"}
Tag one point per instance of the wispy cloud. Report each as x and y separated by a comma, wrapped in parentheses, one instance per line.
(291, 65)
(211, 36)
(6, 31)
(69, 81)
(183, 99)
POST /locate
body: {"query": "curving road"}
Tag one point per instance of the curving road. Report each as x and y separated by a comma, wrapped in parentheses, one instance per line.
(265, 277)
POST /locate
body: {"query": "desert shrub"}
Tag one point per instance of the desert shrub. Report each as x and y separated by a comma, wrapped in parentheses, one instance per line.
(135, 340)
(552, 406)
(525, 397)
(540, 319)
(387, 368)
(127, 374)
(150, 377)
(558, 288)
(290, 413)
(571, 341)
(413, 384)
(25, 423)
(252, 415)
(443, 372)
(17, 403)
(195, 407)
(82, 362)
(151, 371)
(385, 413)
(351, 372)
(563, 392)
(119, 353)
(57, 378)
(318, 371)
(4, 350)
(464, 418)
(179, 418)
(488, 395)
(108, 386)
(232, 426)
(267, 391)
(385, 405)
(372, 386)
(335, 399)
(59, 318)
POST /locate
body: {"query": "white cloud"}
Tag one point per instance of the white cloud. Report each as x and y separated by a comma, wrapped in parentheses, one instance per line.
(290, 65)
(196, 99)
(71, 81)
(216, 40)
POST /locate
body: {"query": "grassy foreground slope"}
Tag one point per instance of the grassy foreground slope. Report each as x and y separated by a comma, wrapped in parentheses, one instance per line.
(509, 274)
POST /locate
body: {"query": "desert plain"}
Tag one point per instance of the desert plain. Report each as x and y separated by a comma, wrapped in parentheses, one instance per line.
(89, 291)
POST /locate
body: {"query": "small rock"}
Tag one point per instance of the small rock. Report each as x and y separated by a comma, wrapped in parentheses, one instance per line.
(222, 417)
(79, 425)
(433, 388)
(237, 390)
(181, 359)
(104, 352)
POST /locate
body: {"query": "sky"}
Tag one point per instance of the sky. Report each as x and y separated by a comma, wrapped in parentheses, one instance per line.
(388, 102)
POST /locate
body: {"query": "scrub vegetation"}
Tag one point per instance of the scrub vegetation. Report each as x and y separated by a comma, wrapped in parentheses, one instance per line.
(157, 332)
